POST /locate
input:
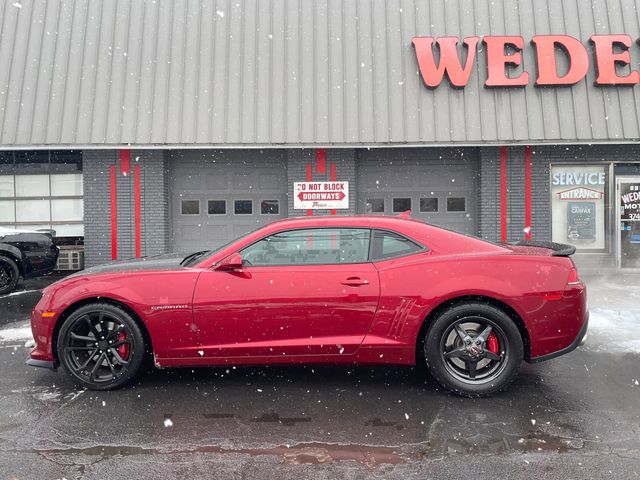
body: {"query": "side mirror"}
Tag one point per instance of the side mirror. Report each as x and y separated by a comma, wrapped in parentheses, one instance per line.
(230, 263)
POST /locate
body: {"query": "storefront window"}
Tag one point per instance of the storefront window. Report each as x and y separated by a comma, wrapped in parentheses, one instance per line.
(43, 201)
(579, 206)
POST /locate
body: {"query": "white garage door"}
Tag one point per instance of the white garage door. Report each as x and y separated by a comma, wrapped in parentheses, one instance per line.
(437, 185)
(217, 196)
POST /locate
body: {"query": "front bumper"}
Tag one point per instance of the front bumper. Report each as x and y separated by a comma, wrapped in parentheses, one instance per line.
(575, 344)
(41, 363)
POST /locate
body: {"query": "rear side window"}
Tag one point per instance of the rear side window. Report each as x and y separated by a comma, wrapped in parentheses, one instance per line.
(385, 245)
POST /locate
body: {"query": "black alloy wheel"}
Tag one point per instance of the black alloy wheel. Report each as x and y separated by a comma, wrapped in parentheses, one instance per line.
(473, 349)
(101, 346)
(9, 274)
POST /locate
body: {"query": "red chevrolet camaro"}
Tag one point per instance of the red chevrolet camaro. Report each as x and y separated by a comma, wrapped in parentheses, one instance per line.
(321, 290)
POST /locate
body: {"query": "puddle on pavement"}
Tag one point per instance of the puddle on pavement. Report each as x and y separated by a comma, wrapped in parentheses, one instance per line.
(275, 418)
(217, 416)
(482, 444)
(304, 453)
(378, 422)
(367, 455)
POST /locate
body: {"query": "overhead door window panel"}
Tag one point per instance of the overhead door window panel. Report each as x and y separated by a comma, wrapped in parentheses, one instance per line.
(68, 210)
(217, 207)
(32, 211)
(401, 204)
(7, 211)
(32, 186)
(429, 205)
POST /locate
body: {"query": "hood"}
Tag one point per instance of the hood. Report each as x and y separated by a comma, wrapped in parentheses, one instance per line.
(168, 261)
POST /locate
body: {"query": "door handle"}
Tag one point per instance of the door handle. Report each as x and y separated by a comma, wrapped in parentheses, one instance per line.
(355, 282)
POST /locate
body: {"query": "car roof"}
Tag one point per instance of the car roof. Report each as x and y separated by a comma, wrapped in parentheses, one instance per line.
(432, 236)
(344, 219)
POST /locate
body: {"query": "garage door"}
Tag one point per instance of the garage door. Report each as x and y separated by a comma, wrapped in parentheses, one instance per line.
(217, 196)
(437, 185)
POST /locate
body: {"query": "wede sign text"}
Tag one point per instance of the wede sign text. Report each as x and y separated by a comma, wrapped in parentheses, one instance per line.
(504, 53)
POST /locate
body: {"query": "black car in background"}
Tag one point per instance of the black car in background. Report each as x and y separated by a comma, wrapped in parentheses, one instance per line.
(24, 254)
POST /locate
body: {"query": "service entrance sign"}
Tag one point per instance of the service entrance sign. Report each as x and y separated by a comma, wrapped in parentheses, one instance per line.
(320, 195)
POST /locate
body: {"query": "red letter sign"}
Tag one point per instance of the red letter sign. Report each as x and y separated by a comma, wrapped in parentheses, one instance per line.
(607, 60)
(498, 62)
(449, 63)
(546, 57)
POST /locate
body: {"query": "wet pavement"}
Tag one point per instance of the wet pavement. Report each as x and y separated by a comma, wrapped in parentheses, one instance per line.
(577, 416)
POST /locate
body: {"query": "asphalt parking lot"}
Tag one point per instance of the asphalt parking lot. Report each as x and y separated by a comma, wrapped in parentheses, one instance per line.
(577, 416)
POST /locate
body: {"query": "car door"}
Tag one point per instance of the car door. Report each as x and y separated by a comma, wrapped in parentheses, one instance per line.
(300, 292)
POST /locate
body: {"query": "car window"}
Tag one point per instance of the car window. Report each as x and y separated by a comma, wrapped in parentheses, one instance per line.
(310, 247)
(386, 245)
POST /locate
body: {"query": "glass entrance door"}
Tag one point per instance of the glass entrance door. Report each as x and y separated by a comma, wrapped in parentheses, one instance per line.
(628, 190)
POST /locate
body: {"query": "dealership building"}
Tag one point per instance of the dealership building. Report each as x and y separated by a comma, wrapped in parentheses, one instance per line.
(135, 128)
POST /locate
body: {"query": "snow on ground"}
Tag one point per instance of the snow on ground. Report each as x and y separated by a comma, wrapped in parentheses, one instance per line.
(614, 306)
(13, 334)
(19, 292)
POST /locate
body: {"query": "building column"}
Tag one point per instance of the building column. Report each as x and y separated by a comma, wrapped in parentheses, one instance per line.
(321, 165)
(126, 207)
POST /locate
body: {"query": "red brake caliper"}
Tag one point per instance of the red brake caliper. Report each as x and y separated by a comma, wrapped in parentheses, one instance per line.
(492, 343)
(123, 350)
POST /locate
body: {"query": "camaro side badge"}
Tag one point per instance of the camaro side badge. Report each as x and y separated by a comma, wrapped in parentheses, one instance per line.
(168, 307)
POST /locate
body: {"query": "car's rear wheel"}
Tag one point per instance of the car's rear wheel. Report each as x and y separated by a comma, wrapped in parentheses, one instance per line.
(473, 349)
(101, 346)
(9, 274)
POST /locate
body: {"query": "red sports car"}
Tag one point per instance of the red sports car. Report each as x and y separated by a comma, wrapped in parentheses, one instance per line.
(322, 290)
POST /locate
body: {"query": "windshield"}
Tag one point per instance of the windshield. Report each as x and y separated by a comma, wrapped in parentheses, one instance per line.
(193, 258)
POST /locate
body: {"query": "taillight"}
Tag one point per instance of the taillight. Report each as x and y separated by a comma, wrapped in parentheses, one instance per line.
(573, 277)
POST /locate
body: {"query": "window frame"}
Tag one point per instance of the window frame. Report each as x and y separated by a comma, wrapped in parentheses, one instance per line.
(384, 205)
(422, 248)
(434, 197)
(270, 200)
(393, 207)
(191, 200)
(226, 210)
(446, 206)
(243, 200)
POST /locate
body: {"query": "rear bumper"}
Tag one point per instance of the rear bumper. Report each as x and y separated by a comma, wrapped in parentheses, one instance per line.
(570, 348)
(40, 363)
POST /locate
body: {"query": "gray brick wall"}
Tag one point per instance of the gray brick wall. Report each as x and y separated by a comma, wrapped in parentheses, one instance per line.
(489, 194)
(297, 161)
(154, 209)
(97, 205)
(154, 186)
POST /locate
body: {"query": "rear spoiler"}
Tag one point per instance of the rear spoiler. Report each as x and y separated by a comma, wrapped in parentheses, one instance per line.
(559, 249)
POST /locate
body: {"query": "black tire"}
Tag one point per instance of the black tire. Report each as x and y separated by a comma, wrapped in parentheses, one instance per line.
(101, 346)
(473, 349)
(9, 274)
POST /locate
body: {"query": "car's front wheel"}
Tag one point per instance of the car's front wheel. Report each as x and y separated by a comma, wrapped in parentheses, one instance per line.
(101, 346)
(9, 274)
(473, 349)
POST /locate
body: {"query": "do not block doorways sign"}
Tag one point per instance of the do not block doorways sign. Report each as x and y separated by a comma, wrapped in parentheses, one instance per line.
(320, 195)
